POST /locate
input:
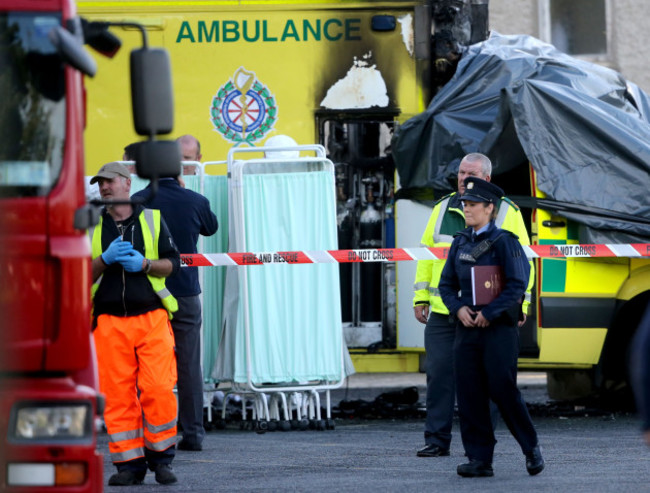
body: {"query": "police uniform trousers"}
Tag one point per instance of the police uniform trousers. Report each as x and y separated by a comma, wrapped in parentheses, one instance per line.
(485, 362)
(187, 334)
(439, 335)
(137, 373)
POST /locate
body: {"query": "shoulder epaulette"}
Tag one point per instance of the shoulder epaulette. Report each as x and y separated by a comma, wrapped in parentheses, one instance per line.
(463, 232)
(510, 203)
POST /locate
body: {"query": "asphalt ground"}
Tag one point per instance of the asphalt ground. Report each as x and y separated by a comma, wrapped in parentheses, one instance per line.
(585, 451)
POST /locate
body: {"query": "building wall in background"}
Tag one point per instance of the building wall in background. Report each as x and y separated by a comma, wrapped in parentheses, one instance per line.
(626, 22)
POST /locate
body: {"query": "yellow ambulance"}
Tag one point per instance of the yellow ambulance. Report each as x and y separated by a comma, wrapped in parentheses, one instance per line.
(344, 74)
(295, 62)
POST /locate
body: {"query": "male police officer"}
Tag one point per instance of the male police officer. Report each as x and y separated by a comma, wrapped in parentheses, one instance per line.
(190, 151)
(445, 221)
(188, 215)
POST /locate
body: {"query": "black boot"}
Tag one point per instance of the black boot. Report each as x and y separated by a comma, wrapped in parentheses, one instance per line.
(534, 461)
(475, 469)
(433, 450)
(127, 477)
(164, 474)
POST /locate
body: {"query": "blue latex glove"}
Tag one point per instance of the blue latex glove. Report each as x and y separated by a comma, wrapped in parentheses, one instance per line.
(131, 261)
(115, 249)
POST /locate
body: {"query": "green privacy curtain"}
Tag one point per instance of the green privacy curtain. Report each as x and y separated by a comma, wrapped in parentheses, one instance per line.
(293, 311)
(215, 188)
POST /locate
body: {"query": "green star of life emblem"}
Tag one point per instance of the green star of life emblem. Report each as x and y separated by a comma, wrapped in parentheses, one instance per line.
(243, 110)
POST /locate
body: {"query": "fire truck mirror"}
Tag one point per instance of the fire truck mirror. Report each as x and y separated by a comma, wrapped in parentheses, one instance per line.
(72, 51)
(157, 159)
(87, 216)
(99, 38)
(151, 92)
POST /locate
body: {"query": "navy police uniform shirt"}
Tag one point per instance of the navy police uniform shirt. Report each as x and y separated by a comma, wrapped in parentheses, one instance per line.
(456, 280)
(187, 215)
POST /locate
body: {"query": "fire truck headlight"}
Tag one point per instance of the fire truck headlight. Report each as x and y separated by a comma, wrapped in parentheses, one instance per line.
(42, 422)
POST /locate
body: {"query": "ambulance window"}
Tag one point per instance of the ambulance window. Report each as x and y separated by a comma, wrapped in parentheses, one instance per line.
(576, 27)
(32, 107)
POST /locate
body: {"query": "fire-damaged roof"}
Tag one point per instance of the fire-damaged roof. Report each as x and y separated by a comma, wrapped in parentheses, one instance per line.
(583, 127)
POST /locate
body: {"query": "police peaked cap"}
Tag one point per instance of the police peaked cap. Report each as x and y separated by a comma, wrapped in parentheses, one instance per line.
(477, 190)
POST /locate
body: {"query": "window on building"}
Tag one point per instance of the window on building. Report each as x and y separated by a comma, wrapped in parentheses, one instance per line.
(576, 27)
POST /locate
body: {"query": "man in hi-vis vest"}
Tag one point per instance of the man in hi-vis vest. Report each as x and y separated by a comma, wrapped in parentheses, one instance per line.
(445, 221)
(132, 253)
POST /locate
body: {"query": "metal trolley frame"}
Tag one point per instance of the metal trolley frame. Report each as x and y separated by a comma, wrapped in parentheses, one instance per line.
(286, 405)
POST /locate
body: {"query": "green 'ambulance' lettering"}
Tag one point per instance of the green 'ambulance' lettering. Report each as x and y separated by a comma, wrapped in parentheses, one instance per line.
(214, 31)
(352, 25)
(246, 33)
(230, 31)
(326, 30)
(265, 36)
(185, 32)
(307, 27)
(290, 31)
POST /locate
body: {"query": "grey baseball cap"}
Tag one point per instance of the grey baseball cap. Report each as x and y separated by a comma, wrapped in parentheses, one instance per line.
(111, 170)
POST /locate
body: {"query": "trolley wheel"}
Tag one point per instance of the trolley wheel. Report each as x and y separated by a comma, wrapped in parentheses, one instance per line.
(284, 425)
(330, 424)
(243, 425)
(295, 424)
(273, 425)
(312, 424)
(321, 425)
(262, 426)
(303, 425)
(220, 424)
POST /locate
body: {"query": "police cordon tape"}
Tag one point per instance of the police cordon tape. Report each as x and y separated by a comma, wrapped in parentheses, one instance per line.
(402, 254)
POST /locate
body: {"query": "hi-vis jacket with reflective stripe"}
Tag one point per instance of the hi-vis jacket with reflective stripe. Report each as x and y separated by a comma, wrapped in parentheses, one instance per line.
(445, 221)
(149, 221)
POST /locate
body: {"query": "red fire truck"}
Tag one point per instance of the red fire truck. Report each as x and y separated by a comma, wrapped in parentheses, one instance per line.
(48, 387)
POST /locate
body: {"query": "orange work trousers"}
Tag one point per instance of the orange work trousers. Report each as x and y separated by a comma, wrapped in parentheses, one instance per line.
(136, 354)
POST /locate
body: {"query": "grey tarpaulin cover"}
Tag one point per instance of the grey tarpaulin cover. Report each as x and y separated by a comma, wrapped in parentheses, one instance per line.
(584, 128)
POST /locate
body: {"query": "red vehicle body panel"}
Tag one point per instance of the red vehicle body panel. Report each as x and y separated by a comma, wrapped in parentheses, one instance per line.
(62, 390)
(46, 355)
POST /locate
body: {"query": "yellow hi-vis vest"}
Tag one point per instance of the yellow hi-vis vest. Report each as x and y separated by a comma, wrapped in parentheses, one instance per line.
(150, 224)
(428, 272)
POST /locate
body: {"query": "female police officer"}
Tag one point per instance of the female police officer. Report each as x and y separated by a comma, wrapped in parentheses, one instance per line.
(487, 340)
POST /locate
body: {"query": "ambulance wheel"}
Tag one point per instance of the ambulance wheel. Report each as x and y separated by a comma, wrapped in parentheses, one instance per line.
(612, 377)
(262, 426)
